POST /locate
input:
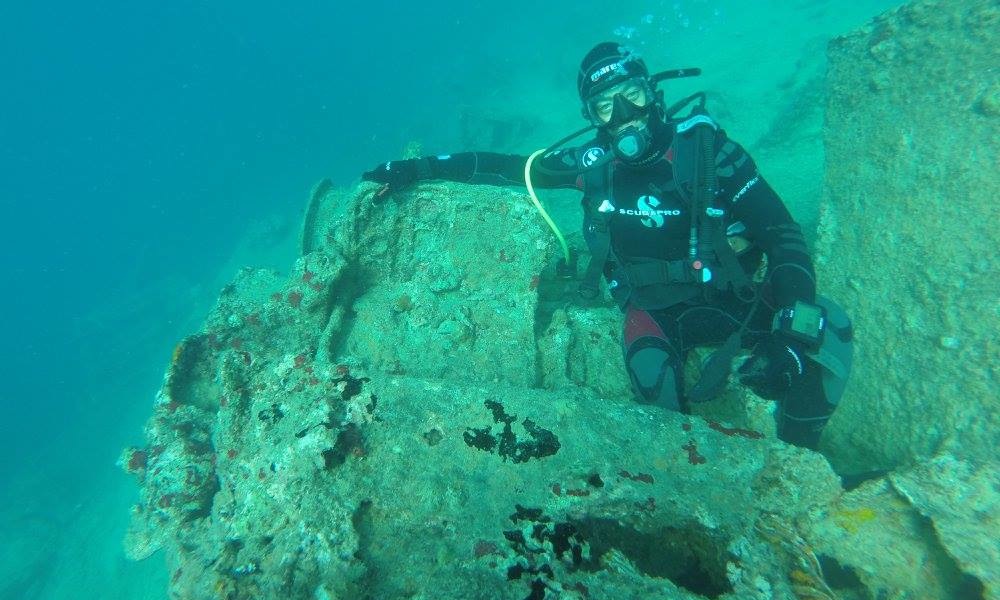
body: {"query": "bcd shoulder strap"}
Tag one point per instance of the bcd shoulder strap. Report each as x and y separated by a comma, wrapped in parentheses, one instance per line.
(597, 211)
(695, 173)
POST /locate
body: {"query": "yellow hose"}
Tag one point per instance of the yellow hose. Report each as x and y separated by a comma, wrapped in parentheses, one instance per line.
(538, 205)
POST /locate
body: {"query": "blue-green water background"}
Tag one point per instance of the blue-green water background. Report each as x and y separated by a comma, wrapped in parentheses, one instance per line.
(148, 150)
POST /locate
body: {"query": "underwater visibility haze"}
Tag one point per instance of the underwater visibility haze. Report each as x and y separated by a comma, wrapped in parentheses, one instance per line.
(234, 369)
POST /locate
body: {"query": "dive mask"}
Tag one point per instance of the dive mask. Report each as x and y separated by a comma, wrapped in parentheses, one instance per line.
(620, 103)
(623, 110)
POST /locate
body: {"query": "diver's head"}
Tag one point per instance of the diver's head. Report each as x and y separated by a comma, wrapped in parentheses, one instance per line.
(619, 99)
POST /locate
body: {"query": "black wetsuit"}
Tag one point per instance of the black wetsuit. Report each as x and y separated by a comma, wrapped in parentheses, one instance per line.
(652, 220)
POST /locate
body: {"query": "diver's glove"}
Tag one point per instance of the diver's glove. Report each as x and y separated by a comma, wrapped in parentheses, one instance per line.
(394, 175)
(774, 367)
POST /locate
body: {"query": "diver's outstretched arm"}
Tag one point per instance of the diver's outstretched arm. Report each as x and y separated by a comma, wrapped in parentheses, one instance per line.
(488, 168)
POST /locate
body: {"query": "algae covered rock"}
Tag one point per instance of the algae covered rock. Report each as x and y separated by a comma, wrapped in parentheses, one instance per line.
(582, 346)
(962, 500)
(909, 237)
(321, 437)
(450, 285)
(288, 457)
(924, 532)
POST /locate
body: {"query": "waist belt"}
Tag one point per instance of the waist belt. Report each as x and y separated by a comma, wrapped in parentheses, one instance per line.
(656, 272)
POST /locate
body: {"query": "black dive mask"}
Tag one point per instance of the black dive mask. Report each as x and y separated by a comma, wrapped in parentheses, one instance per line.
(628, 125)
(632, 143)
(624, 110)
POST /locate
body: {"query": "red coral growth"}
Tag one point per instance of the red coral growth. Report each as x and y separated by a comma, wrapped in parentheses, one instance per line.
(261, 474)
(172, 406)
(534, 282)
(137, 460)
(693, 457)
(504, 258)
(343, 370)
(316, 285)
(247, 359)
(223, 402)
(165, 501)
(557, 489)
(643, 477)
(231, 453)
(686, 427)
(253, 319)
(307, 276)
(313, 381)
(276, 297)
(236, 343)
(484, 548)
(295, 299)
(577, 492)
(300, 361)
(735, 431)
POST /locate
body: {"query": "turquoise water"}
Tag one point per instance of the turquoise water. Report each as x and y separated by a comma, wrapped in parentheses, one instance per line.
(149, 151)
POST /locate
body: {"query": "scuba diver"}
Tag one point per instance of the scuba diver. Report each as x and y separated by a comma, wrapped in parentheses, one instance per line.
(695, 246)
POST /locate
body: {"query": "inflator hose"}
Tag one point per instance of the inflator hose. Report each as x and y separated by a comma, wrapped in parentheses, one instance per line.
(538, 205)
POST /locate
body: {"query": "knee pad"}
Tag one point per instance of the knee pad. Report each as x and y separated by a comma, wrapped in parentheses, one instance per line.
(836, 353)
(653, 367)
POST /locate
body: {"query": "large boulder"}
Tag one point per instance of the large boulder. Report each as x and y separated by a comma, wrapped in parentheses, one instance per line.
(401, 416)
(908, 241)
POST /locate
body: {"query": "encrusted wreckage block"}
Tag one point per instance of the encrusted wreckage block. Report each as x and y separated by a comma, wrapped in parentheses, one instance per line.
(376, 424)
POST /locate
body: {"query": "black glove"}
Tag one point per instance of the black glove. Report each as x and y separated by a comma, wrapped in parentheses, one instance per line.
(393, 175)
(774, 367)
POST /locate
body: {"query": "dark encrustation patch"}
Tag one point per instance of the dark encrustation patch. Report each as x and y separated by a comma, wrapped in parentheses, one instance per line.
(352, 386)
(540, 542)
(271, 415)
(505, 443)
(350, 439)
(555, 555)
(433, 437)
(349, 442)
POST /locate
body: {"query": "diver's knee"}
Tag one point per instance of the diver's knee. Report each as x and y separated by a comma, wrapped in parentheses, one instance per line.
(652, 366)
(836, 354)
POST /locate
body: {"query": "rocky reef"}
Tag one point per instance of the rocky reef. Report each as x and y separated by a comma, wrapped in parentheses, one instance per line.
(405, 415)
(908, 242)
(908, 237)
